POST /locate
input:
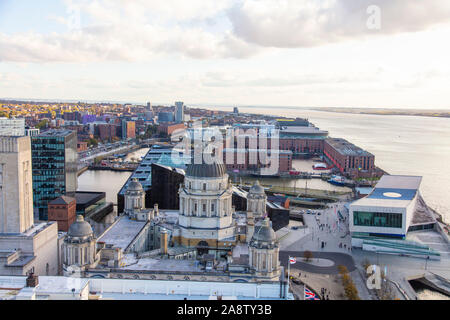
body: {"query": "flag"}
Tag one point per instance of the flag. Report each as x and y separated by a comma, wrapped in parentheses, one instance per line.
(309, 295)
(292, 260)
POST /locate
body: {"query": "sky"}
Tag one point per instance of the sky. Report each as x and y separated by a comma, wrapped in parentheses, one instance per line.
(309, 53)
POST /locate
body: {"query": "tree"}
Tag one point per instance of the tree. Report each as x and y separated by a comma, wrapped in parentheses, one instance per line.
(41, 124)
(349, 287)
(307, 255)
(92, 142)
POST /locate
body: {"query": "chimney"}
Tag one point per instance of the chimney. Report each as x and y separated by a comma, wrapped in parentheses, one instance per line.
(164, 241)
(155, 210)
(32, 280)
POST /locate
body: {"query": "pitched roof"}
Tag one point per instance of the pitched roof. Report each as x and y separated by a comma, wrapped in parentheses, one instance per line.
(62, 200)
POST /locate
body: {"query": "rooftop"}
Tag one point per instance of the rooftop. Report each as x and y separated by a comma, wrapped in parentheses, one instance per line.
(55, 133)
(62, 200)
(399, 181)
(346, 148)
(122, 232)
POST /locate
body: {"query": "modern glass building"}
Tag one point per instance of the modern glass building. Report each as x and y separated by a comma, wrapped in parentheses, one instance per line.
(55, 166)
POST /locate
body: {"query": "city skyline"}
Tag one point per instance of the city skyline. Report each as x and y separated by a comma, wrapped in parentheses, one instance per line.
(228, 52)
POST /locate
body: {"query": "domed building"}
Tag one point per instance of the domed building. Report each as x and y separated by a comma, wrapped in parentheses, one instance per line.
(205, 213)
(256, 201)
(264, 251)
(134, 197)
(79, 247)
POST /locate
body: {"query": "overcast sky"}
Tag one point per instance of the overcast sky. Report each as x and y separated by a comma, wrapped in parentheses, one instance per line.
(320, 53)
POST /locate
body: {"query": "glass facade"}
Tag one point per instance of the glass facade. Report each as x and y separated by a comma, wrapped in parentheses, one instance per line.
(377, 219)
(54, 157)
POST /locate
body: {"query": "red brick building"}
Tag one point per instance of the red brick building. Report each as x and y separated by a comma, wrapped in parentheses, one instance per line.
(348, 158)
(302, 140)
(169, 128)
(63, 211)
(107, 131)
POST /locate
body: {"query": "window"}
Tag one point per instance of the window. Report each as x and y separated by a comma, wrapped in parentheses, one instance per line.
(377, 219)
(204, 187)
(212, 207)
(204, 207)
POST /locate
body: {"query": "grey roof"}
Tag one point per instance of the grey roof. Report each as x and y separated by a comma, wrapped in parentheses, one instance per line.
(264, 231)
(204, 170)
(80, 228)
(399, 181)
(256, 188)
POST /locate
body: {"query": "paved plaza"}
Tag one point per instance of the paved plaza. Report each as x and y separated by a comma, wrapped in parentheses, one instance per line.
(336, 238)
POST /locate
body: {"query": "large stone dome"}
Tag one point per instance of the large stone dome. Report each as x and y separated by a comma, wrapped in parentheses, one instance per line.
(80, 228)
(204, 170)
(135, 185)
(264, 232)
(256, 188)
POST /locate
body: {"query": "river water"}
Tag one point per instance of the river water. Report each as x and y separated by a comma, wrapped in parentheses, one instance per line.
(109, 182)
(407, 145)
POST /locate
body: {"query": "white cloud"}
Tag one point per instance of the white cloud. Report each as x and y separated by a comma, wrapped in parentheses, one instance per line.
(295, 23)
(138, 30)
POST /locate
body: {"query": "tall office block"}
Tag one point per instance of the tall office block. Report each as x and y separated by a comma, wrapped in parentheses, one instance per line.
(179, 111)
(55, 166)
(16, 185)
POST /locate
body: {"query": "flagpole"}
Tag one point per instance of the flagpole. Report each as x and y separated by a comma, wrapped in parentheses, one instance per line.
(289, 271)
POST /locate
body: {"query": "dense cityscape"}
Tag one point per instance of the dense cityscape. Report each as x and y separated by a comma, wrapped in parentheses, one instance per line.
(196, 229)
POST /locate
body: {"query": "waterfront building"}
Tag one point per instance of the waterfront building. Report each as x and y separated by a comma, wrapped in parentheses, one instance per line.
(24, 246)
(348, 158)
(179, 111)
(55, 166)
(391, 210)
(12, 127)
(302, 140)
(205, 208)
(63, 211)
(297, 122)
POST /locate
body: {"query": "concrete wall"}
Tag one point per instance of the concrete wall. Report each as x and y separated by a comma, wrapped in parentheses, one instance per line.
(16, 185)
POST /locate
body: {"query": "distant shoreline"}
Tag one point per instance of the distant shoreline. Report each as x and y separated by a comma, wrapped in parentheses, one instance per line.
(388, 112)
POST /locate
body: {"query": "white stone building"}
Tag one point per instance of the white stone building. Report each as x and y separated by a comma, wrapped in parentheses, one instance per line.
(24, 246)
